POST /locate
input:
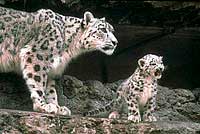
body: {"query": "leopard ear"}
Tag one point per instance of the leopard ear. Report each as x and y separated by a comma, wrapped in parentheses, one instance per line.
(88, 16)
(141, 63)
(103, 19)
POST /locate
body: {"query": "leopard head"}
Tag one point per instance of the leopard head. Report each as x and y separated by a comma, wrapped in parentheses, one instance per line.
(152, 65)
(98, 34)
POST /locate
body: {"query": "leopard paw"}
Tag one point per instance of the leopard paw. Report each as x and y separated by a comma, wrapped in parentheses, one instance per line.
(149, 118)
(50, 108)
(64, 111)
(134, 118)
(114, 115)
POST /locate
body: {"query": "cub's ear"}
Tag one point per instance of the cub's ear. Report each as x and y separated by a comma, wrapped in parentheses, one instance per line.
(103, 19)
(88, 16)
(141, 63)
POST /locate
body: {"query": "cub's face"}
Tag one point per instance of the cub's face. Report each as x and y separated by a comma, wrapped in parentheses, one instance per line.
(152, 64)
(98, 35)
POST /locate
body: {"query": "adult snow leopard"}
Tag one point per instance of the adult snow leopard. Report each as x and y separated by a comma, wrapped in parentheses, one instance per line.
(39, 45)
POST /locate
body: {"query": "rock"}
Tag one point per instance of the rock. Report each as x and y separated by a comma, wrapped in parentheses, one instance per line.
(12, 122)
(14, 93)
(175, 108)
(81, 96)
(196, 93)
(177, 105)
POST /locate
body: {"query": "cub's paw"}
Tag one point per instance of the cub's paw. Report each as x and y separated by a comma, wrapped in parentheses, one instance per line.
(45, 108)
(114, 115)
(149, 118)
(134, 118)
(50, 108)
(64, 111)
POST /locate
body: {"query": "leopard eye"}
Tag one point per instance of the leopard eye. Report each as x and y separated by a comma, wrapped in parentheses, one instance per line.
(103, 30)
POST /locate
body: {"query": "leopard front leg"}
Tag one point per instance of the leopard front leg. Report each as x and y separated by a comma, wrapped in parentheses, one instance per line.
(35, 83)
(35, 73)
(150, 108)
(51, 97)
(133, 108)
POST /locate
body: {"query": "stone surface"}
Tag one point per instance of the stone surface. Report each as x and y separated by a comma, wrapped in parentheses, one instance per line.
(14, 122)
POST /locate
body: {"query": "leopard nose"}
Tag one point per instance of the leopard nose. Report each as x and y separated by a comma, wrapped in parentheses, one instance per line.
(160, 69)
(114, 43)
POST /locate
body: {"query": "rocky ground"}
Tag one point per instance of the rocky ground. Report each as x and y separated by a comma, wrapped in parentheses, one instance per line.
(17, 122)
(178, 109)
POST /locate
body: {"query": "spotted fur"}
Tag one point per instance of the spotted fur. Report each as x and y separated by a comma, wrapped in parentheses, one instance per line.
(138, 92)
(39, 46)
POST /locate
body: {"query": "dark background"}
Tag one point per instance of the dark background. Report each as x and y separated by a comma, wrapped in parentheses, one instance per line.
(170, 29)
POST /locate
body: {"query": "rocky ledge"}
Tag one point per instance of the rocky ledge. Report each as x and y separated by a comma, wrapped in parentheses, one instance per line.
(178, 109)
(15, 122)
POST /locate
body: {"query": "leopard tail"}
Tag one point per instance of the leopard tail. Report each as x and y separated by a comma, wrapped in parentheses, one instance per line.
(108, 107)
